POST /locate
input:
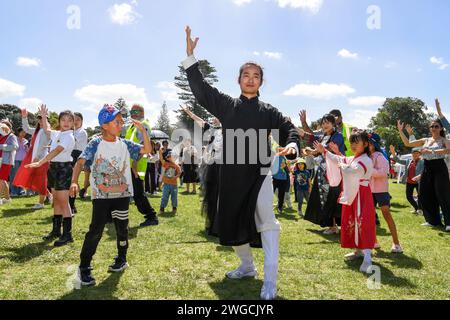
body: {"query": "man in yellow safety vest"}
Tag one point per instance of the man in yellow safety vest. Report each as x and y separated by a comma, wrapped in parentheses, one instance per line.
(139, 168)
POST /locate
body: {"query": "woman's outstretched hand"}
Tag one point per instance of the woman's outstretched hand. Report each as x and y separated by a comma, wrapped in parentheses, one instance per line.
(191, 44)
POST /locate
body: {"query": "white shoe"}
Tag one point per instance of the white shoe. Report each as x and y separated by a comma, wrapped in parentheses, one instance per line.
(6, 201)
(396, 248)
(241, 273)
(365, 267)
(38, 206)
(447, 229)
(377, 246)
(354, 255)
(50, 199)
(1, 202)
(426, 224)
(269, 291)
(331, 231)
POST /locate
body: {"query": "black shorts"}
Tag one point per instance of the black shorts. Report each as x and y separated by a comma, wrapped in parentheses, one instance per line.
(382, 199)
(60, 176)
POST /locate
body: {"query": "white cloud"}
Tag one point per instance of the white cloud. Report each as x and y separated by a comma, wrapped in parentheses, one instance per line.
(391, 65)
(346, 54)
(312, 5)
(360, 118)
(31, 104)
(123, 14)
(28, 62)
(97, 95)
(368, 101)
(10, 89)
(169, 91)
(241, 2)
(323, 91)
(435, 60)
(439, 62)
(269, 55)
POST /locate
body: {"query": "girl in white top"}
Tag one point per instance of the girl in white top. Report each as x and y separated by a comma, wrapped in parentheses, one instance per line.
(60, 174)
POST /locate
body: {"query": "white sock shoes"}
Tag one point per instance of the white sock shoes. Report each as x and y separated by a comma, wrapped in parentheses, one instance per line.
(271, 243)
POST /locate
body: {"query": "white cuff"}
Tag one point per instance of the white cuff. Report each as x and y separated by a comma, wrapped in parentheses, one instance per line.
(189, 62)
(294, 146)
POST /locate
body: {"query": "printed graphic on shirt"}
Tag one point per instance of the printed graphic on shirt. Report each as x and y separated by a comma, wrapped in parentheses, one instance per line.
(109, 179)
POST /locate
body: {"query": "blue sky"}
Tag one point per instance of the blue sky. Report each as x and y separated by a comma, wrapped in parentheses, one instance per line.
(317, 54)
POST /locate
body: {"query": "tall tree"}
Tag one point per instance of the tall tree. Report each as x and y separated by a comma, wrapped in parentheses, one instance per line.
(188, 98)
(122, 106)
(409, 110)
(163, 122)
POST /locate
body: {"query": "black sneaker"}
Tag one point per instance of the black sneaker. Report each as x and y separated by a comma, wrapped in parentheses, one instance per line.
(118, 266)
(149, 222)
(86, 277)
(82, 193)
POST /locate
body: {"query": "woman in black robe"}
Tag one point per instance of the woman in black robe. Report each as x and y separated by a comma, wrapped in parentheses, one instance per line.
(245, 208)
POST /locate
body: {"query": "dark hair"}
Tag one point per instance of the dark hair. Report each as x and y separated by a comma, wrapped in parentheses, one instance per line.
(438, 121)
(328, 118)
(336, 113)
(19, 130)
(361, 136)
(251, 64)
(79, 115)
(66, 113)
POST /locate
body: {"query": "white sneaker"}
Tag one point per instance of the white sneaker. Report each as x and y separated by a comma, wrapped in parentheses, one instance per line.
(354, 255)
(447, 229)
(50, 199)
(365, 267)
(1, 202)
(396, 248)
(426, 224)
(38, 206)
(6, 201)
(241, 273)
(331, 231)
(269, 291)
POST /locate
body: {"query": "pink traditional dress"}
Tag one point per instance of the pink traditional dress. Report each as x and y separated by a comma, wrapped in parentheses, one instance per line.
(358, 228)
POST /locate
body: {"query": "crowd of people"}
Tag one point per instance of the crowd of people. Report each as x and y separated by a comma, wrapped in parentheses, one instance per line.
(341, 175)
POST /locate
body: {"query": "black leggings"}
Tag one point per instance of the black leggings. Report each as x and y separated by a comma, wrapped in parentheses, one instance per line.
(434, 192)
(410, 187)
(282, 186)
(102, 212)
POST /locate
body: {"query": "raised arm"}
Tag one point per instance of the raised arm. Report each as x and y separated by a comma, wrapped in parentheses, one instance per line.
(443, 119)
(193, 116)
(409, 144)
(46, 126)
(147, 144)
(25, 124)
(305, 126)
(208, 97)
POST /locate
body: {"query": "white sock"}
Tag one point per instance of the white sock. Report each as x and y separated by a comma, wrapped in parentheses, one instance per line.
(367, 256)
(244, 253)
(271, 244)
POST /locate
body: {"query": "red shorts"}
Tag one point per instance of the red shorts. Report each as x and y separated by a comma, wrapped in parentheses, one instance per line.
(5, 170)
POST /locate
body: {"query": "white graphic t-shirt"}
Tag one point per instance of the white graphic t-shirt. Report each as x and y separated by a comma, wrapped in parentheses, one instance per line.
(110, 167)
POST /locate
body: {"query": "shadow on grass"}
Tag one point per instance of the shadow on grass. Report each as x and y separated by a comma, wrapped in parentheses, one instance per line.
(400, 260)
(387, 277)
(46, 221)
(245, 289)
(399, 206)
(330, 237)
(28, 252)
(111, 232)
(103, 291)
(11, 213)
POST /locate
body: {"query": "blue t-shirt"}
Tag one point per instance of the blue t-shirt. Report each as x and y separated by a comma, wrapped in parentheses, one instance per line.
(302, 179)
(280, 169)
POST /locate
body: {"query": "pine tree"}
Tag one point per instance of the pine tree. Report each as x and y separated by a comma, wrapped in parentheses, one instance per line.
(188, 98)
(163, 122)
(122, 106)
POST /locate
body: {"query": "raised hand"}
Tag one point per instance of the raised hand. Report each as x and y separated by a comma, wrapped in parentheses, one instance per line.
(334, 148)
(24, 113)
(302, 115)
(138, 125)
(43, 111)
(409, 129)
(319, 147)
(438, 107)
(400, 125)
(191, 44)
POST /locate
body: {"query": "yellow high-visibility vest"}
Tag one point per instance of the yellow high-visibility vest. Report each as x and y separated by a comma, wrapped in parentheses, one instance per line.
(131, 135)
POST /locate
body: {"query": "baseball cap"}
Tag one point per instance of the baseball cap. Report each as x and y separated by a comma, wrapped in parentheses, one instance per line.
(107, 114)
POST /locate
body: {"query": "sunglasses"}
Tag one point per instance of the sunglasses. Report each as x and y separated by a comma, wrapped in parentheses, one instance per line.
(135, 112)
(435, 127)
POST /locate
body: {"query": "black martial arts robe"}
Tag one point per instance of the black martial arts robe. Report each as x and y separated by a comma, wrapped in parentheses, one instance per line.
(239, 184)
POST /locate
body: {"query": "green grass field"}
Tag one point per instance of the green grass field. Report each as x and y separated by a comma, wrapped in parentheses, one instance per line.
(175, 260)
